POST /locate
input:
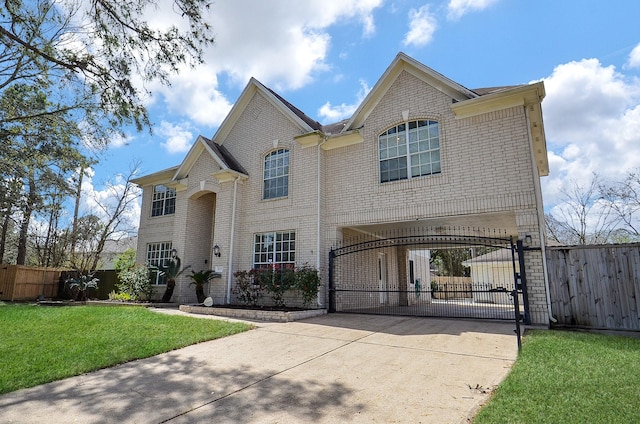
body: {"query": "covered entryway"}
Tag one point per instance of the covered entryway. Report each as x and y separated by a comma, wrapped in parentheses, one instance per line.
(456, 272)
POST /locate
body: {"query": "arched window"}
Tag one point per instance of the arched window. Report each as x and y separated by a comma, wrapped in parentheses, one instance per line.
(276, 174)
(409, 150)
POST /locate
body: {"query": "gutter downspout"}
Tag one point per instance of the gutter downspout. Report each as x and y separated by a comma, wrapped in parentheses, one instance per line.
(232, 236)
(541, 221)
(319, 200)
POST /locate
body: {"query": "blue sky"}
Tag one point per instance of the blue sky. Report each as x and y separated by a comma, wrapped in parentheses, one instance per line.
(324, 55)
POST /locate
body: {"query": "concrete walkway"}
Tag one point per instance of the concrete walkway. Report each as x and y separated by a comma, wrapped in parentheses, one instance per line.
(330, 369)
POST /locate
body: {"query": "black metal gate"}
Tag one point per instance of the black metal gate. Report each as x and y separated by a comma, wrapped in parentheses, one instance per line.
(435, 272)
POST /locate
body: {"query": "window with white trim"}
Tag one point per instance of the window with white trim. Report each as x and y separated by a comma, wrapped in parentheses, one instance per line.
(276, 174)
(274, 249)
(409, 150)
(164, 201)
(158, 254)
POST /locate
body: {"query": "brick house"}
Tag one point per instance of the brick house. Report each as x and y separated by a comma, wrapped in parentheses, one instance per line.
(275, 186)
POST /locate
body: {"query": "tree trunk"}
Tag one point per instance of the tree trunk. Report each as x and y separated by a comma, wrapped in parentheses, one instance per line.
(26, 218)
(166, 297)
(3, 233)
(76, 209)
(200, 293)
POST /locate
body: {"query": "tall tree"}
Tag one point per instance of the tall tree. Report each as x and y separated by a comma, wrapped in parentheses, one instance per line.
(582, 217)
(449, 261)
(123, 195)
(108, 220)
(85, 54)
(624, 198)
(42, 150)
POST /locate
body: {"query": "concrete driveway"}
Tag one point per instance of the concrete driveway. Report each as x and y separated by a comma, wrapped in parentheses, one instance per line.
(330, 369)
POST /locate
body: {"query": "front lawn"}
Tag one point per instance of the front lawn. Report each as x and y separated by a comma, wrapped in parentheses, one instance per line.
(569, 377)
(40, 344)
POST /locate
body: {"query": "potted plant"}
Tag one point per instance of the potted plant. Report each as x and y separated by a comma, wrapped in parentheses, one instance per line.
(199, 279)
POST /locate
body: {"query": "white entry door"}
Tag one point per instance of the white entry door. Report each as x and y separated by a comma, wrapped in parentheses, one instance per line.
(382, 279)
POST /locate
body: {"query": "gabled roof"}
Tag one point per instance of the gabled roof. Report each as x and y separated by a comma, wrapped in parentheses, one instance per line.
(226, 157)
(221, 155)
(466, 103)
(161, 177)
(294, 114)
(490, 90)
(312, 123)
(499, 256)
(402, 62)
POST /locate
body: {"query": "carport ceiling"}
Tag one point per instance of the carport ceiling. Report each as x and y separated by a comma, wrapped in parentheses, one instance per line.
(467, 224)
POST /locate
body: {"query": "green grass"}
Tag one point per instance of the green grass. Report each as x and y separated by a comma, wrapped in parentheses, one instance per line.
(41, 344)
(569, 377)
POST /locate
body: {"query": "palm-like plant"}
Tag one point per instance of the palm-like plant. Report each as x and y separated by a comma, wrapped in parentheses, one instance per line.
(199, 279)
(172, 271)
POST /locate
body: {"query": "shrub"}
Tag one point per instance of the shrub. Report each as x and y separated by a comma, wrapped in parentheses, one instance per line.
(248, 290)
(251, 285)
(77, 286)
(123, 297)
(125, 260)
(276, 282)
(307, 283)
(136, 283)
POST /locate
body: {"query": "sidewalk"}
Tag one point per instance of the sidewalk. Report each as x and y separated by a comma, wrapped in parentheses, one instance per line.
(329, 369)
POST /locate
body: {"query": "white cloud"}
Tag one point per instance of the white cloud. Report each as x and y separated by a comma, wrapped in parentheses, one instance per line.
(634, 57)
(283, 44)
(342, 111)
(178, 137)
(194, 94)
(592, 124)
(458, 8)
(119, 141)
(422, 25)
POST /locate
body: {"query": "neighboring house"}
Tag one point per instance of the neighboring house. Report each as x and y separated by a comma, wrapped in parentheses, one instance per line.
(274, 186)
(110, 251)
(493, 271)
(113, 248)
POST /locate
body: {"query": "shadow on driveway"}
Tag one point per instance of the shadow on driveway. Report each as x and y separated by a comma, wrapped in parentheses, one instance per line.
(334, 368)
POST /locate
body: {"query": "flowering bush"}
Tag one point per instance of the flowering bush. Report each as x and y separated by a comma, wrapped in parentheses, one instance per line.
(136, 282)
(251, 285)
(247, 289)
(307, 283)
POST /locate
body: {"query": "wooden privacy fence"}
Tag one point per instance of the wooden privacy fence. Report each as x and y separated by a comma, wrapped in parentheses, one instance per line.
(595, 286)
(451, 287)
(19, 282)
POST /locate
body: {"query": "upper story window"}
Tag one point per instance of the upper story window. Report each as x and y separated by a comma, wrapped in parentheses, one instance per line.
(164, 201)
(409, 150)
(274, 249)
(276, 174)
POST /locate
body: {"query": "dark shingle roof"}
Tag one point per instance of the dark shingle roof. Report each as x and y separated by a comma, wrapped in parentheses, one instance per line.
(300, 114)
(489, 90)
(224, 154)
(337, 127)
(334, 128)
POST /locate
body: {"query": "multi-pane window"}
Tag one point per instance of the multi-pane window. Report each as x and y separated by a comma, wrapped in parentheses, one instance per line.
(276, 174)
(274, 249)
(164, 201)
(158, 254)
(409, 150)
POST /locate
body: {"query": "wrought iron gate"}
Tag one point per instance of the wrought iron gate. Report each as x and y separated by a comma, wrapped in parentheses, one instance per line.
(437, 272)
